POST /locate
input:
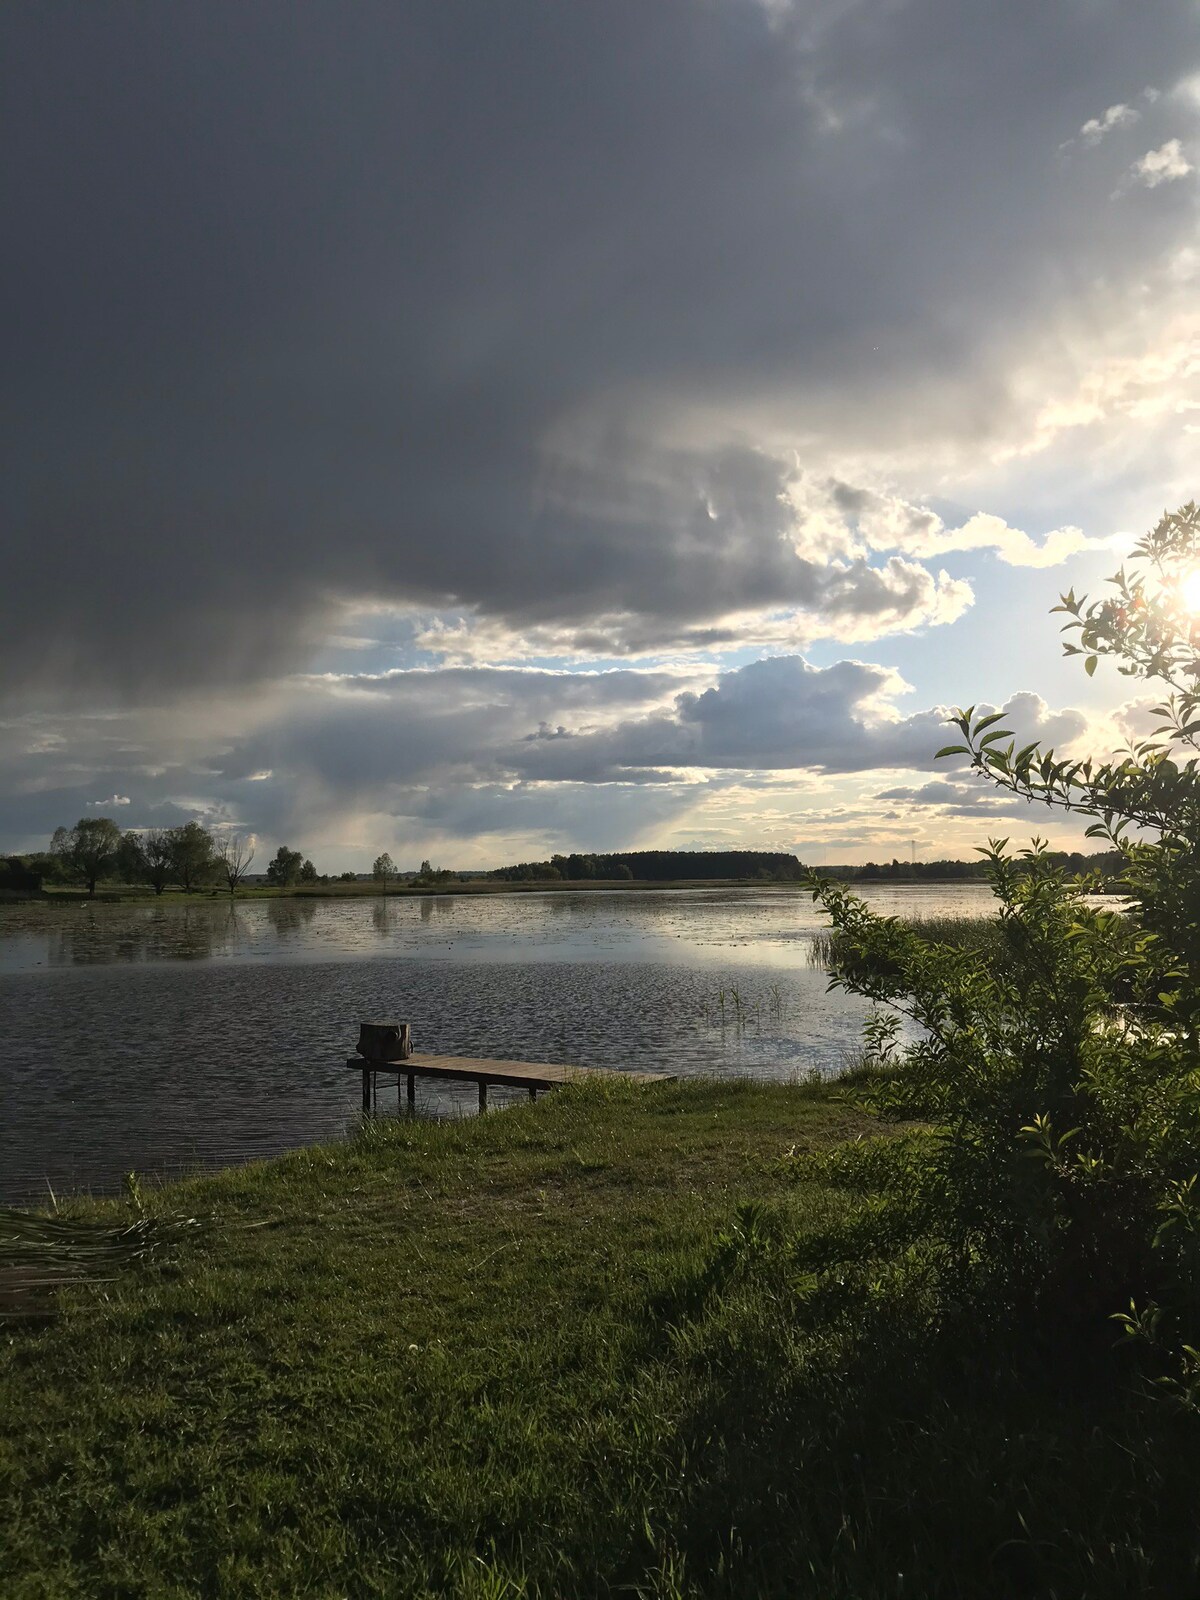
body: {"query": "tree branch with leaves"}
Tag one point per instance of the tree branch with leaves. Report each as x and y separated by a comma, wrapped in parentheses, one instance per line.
(1064, 1073)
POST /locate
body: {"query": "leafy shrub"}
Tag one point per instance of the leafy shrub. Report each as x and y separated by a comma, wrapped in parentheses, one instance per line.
(1063, 1079)
(20, 876)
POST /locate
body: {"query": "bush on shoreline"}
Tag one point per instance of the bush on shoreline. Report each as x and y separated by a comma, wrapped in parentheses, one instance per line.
(1062, 1059)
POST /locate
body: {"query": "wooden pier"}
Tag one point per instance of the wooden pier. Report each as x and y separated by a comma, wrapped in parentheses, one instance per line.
(531, 1075)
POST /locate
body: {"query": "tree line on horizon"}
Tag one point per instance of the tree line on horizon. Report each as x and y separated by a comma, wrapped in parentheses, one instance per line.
(191, 857)
(188, 856)
(774, 866)
(897, 871)
(657, 866)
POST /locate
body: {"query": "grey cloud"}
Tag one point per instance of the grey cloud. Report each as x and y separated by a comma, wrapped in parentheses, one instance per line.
(358, 738)
(453, 723)
(1095, 128)
(954, 799)
(560, 817)
(402, 743)
(314, 304)
(781, 714)
(316, 746)
(496, 756)
(937, 793)
(458, 687)
(687, 536)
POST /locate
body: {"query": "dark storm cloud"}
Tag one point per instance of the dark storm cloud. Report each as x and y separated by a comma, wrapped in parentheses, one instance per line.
(315, 302)
(314, 745)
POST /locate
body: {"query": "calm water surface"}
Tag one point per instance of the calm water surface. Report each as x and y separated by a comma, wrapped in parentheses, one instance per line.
(158, 1038)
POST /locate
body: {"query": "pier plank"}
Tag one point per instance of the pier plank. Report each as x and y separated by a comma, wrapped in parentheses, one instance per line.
(531, 1075)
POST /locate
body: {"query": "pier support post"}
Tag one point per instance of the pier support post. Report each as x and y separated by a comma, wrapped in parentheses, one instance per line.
(412, 1091)
(532, 1092)
(483, 1094)
(366, 1088)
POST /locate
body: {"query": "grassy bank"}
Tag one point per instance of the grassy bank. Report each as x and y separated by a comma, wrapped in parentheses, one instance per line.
(646, 1342)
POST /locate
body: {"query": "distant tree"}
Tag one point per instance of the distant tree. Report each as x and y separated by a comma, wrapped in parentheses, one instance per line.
(429, 874)
(284, 870)
(308, 873)
(131, 864)
(22, 875)
(347, 877)
(383, 869)
(531, 871)
(88, 851)
(192, 855)
(234, 854)
(158, 863)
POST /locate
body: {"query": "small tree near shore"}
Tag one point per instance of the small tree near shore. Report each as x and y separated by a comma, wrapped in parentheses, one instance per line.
(235, 853)
(131, 864)
(157, 864)
(191, 855)
(383, 870)
(88, 851)
(283, 870)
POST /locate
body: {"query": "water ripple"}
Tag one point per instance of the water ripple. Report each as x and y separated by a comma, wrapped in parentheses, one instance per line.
(161, 1038)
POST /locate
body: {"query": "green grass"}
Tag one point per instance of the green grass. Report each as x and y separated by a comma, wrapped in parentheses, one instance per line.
(635, 1342)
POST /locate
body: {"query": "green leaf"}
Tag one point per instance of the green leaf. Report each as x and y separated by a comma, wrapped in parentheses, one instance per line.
(986, 722)
(952, 750)
(1089, 666)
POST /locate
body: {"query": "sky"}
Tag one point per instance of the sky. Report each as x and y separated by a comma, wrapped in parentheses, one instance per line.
(474, 431)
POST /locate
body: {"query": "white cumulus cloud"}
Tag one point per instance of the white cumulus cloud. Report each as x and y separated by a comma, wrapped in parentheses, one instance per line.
(1118, 116)
(839, 518)
(1163, 165)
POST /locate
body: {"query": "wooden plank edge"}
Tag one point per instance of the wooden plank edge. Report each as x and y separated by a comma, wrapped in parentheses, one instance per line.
(500, 1074)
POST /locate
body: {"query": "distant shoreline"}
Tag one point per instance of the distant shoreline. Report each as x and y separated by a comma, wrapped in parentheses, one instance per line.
(130, 894)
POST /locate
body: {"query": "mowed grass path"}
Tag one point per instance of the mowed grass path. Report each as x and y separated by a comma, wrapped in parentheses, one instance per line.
(567, 1349)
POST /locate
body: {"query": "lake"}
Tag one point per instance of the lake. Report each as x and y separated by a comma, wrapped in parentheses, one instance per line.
(158, 1038)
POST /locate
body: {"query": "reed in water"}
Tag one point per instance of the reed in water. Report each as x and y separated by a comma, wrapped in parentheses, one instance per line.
(983, 934)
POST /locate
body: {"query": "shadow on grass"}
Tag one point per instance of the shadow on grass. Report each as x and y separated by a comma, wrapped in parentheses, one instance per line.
(866, 1427)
